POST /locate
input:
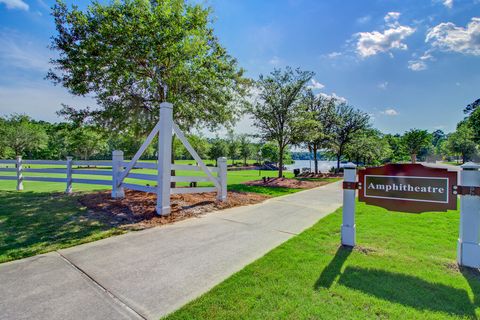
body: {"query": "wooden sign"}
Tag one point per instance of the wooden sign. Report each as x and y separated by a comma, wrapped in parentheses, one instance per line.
(408, 188)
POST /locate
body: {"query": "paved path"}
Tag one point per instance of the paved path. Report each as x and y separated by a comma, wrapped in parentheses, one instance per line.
(150, 273)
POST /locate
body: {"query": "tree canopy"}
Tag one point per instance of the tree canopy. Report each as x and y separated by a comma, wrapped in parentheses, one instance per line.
(131, 55)
(278, 108)
(414, 140)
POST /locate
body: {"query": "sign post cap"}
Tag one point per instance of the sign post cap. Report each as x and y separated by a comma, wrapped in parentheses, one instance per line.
(470, 166)
(350, 165)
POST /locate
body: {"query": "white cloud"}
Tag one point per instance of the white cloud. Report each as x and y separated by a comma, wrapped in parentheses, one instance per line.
(448, 3)
(315, 85)
(390, 112)
(392, 18)
(17, 51)
(383, 85)
(417, 65)
(38, 99)
(333, 55)
(447, 36)
(333, 96)
(420, 64)
(15, 4)
(364, 19)
(274, 61)
(372, 43)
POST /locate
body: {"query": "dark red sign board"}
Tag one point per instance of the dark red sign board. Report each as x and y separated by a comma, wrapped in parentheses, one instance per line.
(408, 188)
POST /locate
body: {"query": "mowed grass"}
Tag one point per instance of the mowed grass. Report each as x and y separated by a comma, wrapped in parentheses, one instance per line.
(41, 218)
(36, 222)
(402, 268)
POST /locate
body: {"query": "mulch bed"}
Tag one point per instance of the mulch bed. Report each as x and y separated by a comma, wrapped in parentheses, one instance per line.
(137, 210)
(320, 175)
(287, 183)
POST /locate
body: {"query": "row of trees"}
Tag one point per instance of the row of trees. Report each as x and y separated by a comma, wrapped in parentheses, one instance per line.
(133, 55)
(21, 135)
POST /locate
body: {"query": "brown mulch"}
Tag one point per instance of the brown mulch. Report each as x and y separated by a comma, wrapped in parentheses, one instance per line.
(137, 210)
(287, 183)
(320, 175)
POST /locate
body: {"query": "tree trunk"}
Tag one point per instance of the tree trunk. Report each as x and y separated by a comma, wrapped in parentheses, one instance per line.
(245, 161)
(280, 163)
(413, 157)
(315, 158)
(464, 158)
(338, 161)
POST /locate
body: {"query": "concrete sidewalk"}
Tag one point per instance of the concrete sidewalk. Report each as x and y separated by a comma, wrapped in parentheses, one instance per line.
(148, 274)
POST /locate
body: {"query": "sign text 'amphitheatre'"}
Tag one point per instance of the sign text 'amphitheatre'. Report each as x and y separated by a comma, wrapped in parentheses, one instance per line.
(408, 187)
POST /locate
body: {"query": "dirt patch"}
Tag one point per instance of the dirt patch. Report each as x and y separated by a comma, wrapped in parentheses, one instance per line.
(137, 210)
(287, 183)
(364, 250)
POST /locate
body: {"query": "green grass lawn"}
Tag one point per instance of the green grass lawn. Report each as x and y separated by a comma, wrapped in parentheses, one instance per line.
(403, 268)
(38, 222)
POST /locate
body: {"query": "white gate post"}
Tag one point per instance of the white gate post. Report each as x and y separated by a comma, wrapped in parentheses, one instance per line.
(68, 189)
(222, 175)
(19, 174)
(164, 158)
(348, 211)
(468, 249)
(117, 165)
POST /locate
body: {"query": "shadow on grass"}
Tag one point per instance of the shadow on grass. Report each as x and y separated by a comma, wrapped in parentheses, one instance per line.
(408, 291)
(473, 278)
(403, 289)
(334, 268)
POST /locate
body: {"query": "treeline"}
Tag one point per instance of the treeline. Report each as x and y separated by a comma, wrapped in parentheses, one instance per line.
(21, 135)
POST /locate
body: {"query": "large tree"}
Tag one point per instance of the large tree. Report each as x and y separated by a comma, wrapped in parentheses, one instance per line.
(317, 123)
(368, 146)
(278, 108)
(349, 121)
(414, 141)
(461, 142)
(246, 148)
(22, 135)
(131, 55)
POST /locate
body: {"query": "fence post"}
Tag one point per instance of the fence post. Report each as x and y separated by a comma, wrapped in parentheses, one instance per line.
(164, 159)
(117, 165)
(468, 249)
(348, 211)
(19, 173)
(222, 177)
(69, 175)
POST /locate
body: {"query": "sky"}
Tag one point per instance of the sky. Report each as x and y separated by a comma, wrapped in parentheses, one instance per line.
(407, 63)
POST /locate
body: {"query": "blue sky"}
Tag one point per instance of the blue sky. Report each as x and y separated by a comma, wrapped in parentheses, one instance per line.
(407, 63)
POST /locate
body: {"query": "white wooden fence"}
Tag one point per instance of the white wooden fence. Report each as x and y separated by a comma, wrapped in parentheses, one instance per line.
(119, 169)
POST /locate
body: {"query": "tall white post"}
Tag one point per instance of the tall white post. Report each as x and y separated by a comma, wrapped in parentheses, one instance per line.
(222, 175)
(348, 211)
(164, 158)
(68, 189)
(468, 249)
(117, 168)
(19, 174)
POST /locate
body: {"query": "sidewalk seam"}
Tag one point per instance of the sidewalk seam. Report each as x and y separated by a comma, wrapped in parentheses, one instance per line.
(102, 288)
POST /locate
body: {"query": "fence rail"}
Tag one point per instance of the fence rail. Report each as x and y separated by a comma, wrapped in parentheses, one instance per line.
(114, 169)
(119, 169)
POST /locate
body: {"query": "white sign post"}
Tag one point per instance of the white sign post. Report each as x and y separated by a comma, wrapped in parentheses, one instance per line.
(468, 249)
(348, 211)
